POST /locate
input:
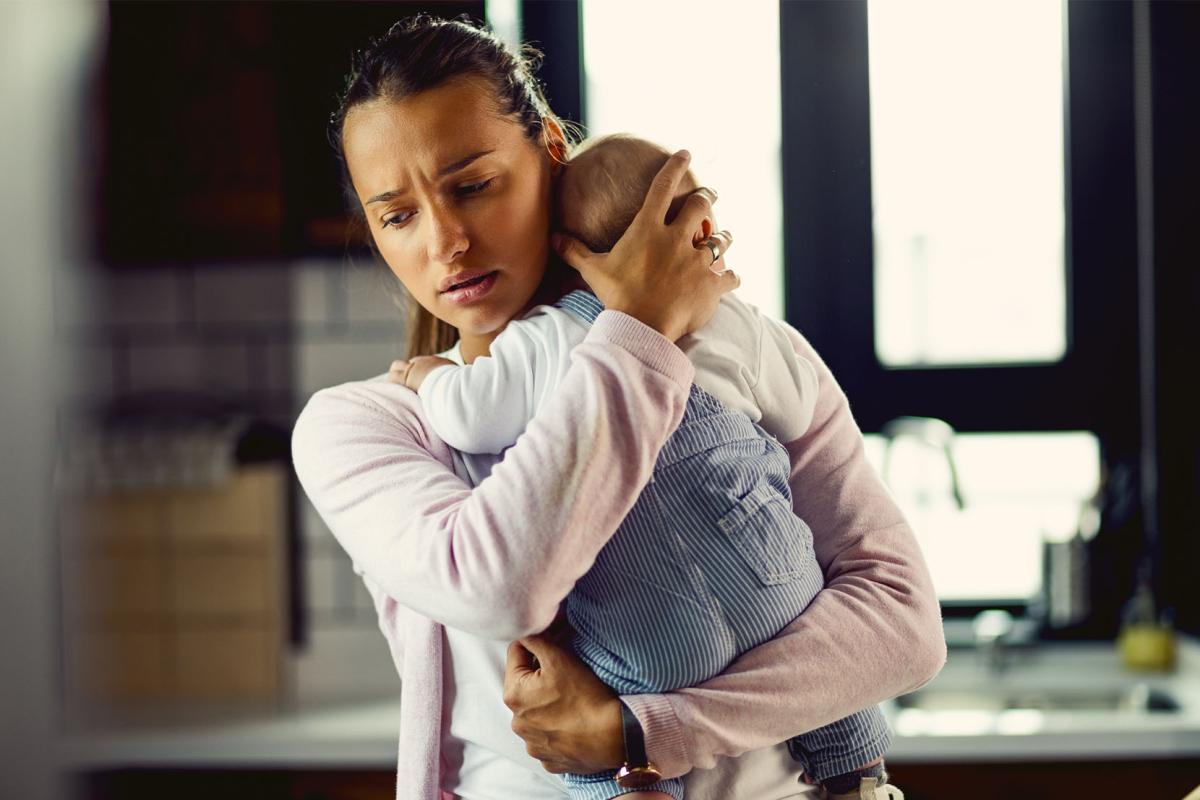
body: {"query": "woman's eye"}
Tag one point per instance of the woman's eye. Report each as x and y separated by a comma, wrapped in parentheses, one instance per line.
(397, 220)
(474, 188)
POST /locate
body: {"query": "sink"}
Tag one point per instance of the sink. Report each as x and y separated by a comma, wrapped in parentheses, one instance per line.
(1060, 698)
(1138, 698)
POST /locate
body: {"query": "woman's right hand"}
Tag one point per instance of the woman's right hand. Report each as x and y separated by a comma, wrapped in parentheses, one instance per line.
(655, 272)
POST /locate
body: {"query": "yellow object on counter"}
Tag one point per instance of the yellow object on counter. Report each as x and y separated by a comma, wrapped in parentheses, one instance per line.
(1147, 647)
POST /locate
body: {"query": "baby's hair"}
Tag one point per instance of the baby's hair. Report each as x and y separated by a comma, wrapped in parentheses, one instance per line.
(604, 184)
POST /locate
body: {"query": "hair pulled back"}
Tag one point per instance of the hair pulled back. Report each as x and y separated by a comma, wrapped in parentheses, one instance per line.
(422, 52)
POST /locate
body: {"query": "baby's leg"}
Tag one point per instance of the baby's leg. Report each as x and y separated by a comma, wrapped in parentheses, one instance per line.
(602, 786)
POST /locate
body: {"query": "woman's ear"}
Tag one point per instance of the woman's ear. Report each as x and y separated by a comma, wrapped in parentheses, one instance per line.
(556, 143)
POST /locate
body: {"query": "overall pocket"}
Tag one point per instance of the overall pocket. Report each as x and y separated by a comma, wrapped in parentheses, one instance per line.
(770, 538)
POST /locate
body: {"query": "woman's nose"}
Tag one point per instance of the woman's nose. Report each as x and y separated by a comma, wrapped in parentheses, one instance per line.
(448, 238)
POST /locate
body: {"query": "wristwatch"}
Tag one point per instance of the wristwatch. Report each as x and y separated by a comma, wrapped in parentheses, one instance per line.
(637, 772)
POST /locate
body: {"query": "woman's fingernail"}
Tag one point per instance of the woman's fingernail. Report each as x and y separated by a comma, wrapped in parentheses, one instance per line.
(684, 154)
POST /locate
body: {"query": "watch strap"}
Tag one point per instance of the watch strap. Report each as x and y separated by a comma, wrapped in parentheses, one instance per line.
(638, 772)
(635, 739)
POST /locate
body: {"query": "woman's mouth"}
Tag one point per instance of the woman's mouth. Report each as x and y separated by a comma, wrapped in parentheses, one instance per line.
(471, 290)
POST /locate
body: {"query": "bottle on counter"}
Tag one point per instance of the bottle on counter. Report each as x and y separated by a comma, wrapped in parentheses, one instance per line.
(1146, 642)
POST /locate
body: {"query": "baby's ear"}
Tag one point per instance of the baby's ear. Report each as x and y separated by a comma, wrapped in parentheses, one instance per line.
(703, 232)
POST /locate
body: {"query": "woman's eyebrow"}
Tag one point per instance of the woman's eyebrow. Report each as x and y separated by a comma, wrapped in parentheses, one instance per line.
(449, 169)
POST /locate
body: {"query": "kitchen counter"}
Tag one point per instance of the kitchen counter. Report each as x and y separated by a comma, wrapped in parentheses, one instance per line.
(362, 735)
(1030, 734)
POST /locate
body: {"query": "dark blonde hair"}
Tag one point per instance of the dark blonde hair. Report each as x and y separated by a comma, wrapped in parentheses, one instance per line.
(423, 52)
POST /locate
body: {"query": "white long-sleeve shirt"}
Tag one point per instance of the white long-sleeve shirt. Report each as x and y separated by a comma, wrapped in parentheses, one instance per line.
(741, 359)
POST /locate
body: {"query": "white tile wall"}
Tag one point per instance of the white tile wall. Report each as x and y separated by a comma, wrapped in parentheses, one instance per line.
(243, 295)
(323, 361)
(313, 531)
(92, 379)
(145, 298)
(321, 568)
(344, 662)
(220, 369)
(312, 297)
(370, 291)
(271, 366)
(269, 335)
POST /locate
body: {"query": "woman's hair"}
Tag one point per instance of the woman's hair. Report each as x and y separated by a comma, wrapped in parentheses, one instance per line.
(420, 53)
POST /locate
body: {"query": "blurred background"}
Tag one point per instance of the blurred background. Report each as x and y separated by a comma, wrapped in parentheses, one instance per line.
(982, 214)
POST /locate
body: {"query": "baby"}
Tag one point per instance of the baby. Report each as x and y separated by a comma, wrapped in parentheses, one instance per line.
(712, 560)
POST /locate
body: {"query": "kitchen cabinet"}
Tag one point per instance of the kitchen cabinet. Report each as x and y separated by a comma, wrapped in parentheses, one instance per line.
(210, 127)
(1046, 781)
(176, 595)
(240, 785)
(1166, 779)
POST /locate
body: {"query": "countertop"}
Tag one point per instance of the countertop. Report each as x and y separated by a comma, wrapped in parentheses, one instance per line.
(363, 734)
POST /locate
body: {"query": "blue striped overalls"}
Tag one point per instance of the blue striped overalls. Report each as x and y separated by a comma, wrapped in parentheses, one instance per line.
(710, 562)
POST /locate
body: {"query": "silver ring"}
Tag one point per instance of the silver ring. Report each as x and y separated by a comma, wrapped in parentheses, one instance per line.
(711, 243)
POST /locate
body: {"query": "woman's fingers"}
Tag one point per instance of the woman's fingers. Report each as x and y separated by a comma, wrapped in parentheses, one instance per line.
(542, 649)
(569, 719)
(664, 186)
(729, 280)
(696, 207)
(518, 660)
(714, 248)
(573, 251)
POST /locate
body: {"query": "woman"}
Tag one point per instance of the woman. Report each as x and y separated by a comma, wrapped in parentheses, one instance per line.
(452, 153)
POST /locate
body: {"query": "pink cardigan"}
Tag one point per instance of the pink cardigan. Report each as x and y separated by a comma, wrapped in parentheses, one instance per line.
(497, 560)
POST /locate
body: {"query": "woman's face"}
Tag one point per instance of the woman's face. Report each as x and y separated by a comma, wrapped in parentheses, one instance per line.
(454, 192)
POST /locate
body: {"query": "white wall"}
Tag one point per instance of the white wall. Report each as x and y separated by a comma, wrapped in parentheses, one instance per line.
(44, 52)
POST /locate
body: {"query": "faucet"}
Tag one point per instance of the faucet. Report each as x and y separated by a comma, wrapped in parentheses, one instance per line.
(992, 629)
(933, 432)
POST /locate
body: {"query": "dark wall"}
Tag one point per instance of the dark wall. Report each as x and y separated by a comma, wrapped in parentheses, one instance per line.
(212, 127)
(1175, 78)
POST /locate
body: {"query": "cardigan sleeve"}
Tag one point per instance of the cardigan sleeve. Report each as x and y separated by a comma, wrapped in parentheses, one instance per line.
(874, 632)
(494, 561)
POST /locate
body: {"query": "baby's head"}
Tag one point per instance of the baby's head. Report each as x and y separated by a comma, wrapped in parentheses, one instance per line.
(604, 184)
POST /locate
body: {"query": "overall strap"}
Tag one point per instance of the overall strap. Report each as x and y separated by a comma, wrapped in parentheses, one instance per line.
(581, 303)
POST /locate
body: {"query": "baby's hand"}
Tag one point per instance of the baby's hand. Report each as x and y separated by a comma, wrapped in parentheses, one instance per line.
(412, 373)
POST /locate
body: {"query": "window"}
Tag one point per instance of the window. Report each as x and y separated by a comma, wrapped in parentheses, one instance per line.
(723, 108)
(1018, 490)
(967, 182)
(948, 263)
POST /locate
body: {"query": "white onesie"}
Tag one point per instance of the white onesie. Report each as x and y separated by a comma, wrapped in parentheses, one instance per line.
(742, 358)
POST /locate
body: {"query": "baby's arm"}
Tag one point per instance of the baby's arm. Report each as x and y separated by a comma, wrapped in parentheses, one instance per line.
(484, 406)
(412, 373)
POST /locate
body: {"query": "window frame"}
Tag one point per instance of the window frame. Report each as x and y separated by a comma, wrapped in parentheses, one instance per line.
(828, 242)
(828, 248)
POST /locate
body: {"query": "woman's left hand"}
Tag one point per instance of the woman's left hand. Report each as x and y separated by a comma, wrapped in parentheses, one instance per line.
(569, 719)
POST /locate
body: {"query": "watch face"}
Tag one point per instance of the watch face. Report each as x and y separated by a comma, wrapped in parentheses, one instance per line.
(638, 777)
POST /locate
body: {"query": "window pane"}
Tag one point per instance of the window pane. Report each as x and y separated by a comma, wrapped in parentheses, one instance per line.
(967, 181)
(1018, 488)
(646, 79)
